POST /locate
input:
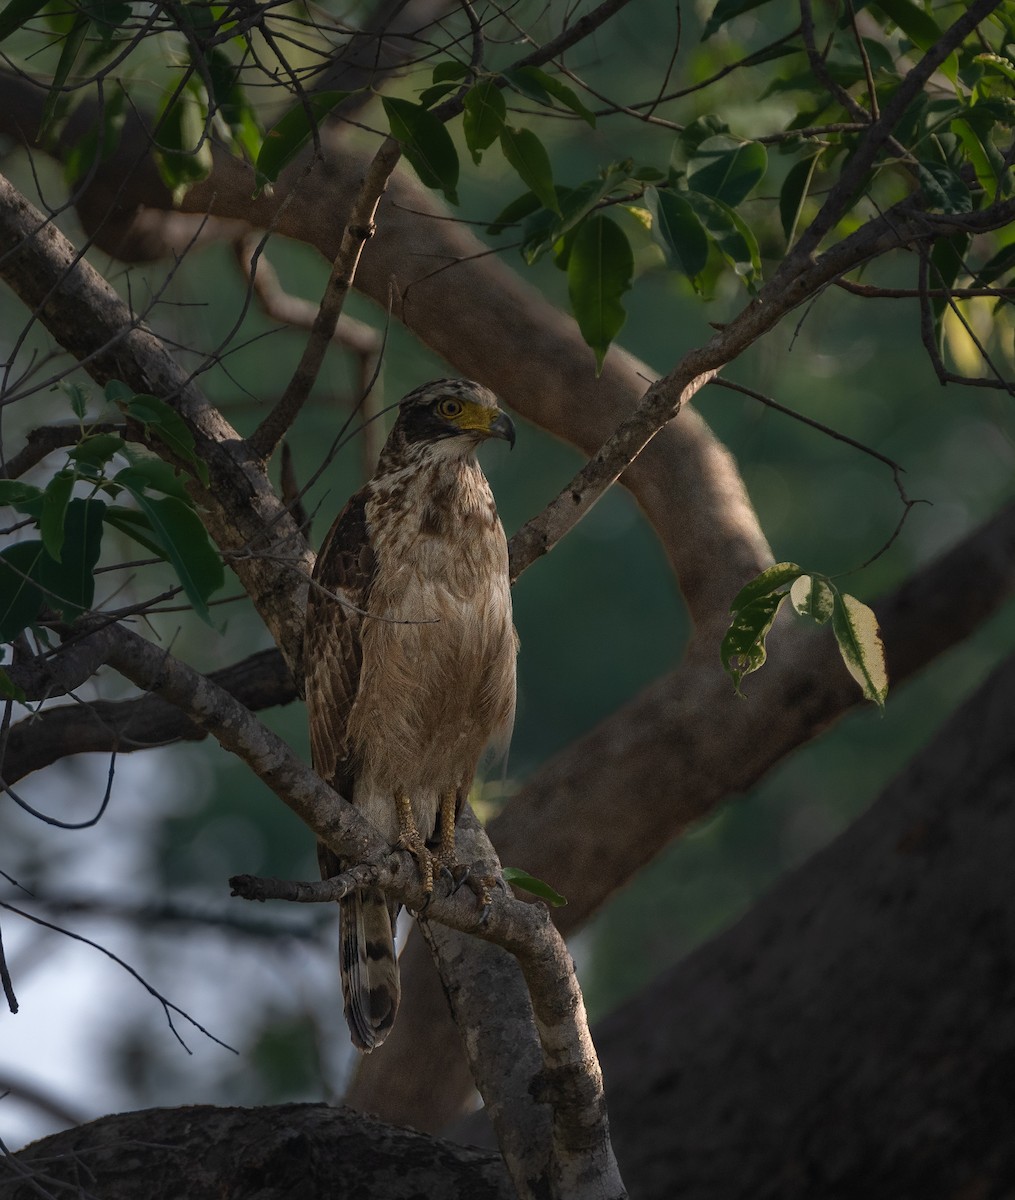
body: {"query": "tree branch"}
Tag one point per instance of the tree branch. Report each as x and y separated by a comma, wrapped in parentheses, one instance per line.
(581, 1148)
(243, 514)
(275, 1153)
(358, 229)
(260, 681)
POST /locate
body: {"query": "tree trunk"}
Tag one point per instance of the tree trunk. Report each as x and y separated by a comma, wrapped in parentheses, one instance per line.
(854, 1034)
(309, 1151)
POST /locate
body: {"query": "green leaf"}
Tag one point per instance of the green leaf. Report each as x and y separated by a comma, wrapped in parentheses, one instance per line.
(78, 397)
(56, 101)
(813, 596)
(526, 153)
(726, 169)
(287, 137)
(920, 27)
(743, 648)
(169, 427)
(994, 62)
(1001, 263)
(445, 71)
(20, 598)
(136, 526)
(942, 189)
(425, 143)
(17, 13)
(184, 540)
(793, 193)
(54, 511)
(9, 689)
(974, 131)
(770, 580)
(731, 235)
(117, 392)
(725, 11)
(428, 97)
(856, 630)
(676, 228)
(107, 17)
(529, 883)
(544, 89)
(233, 107)
(519, 208)
(70, 583)
(599, 272)
(699, 130)
(99, 141)
(575, 204)
(183, 149)
(97, 450)
(152, 473)
(15, 493)
(947, 259)
(483, 117)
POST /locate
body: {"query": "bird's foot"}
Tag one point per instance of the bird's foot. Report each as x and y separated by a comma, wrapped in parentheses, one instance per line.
(482, 887)
(424, 861)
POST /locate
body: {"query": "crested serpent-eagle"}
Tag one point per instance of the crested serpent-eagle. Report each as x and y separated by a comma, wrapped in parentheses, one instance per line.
(410, 660)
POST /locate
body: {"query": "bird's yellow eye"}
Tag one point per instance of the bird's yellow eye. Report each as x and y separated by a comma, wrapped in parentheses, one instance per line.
(450, 408)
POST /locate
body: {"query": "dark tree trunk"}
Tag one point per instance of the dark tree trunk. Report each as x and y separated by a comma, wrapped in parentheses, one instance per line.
(854, 1034)
(289, 1152)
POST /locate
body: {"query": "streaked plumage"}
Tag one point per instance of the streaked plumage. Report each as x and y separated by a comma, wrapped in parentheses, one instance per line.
(411, 671)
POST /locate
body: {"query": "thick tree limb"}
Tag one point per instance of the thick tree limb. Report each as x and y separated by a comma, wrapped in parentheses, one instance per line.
(204, 1153)
(852, 1035)
(261, 681)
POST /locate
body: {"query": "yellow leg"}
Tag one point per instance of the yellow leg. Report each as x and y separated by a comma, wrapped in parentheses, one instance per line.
(409, 838)
(446, 852)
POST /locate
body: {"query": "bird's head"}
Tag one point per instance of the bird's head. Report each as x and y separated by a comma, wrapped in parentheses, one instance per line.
(455, 413)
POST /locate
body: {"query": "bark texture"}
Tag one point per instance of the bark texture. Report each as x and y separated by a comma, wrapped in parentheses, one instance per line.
(309, 1151)
(854, 1035)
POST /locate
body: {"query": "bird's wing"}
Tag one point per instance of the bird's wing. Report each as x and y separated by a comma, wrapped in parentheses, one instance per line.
(343, 578)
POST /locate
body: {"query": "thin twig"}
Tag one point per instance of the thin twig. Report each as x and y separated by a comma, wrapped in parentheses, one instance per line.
(168, 1007)
(358, 230)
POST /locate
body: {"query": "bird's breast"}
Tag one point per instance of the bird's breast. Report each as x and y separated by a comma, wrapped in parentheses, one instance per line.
(438, 675)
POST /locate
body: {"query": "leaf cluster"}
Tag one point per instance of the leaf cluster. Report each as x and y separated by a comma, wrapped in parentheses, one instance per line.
(816, 598)
(53, 573)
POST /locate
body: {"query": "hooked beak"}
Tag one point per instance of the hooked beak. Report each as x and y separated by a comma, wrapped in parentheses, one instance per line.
(503, 427)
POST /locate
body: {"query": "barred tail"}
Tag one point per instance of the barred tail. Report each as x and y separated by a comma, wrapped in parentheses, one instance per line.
(369, 968)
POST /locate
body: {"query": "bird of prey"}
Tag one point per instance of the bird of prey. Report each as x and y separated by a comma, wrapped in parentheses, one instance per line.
(410, 653)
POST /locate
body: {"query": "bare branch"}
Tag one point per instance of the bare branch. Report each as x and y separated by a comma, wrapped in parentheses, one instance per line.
(168, 1007)
(358, 229)
(261, 681)
(45, 440)
(287, 309)
(540, 534)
